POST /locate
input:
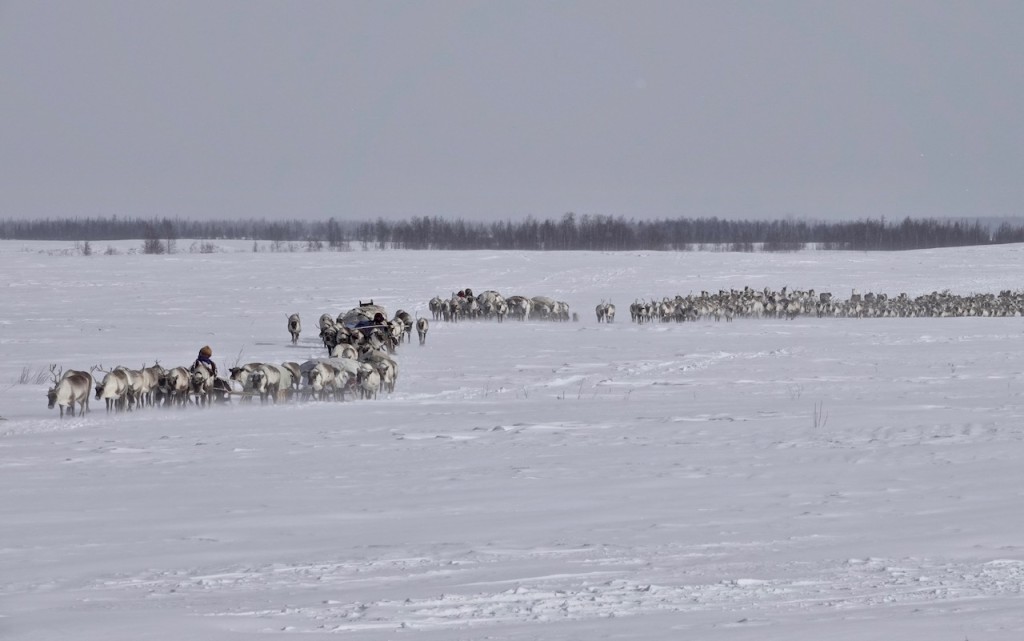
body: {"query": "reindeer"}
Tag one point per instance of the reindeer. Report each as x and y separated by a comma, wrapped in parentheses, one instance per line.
(70, 388)
(421, 328)
(542, 307)
(136, 390)
(293, 369)
(369, 380)
(319, 379)
(138, 387)
(501, 310)
(407, 321)
(304, 370)
(174, 386)
(605, 312)
(560, 312)
(269, 381)
(396, 331)
(344, 350)
(386, 367)
(388, 372)
(470, 308)
(114, 388)
(328, 330)
(519, 307)
(243, 376)
(435, 307)
(201, 382)
(491, 303)
(150, 382)
(380, 337)
(325, 378)
(294, 327)
(371, 354)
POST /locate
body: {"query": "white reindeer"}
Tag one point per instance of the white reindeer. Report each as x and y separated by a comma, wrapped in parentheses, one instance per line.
(388, 372)
(326, 378)
(269, 381)
(150, 382)
(201, 383)
(369, 380)
(70, 388)
(243, 376)
(344, 350)
(137, 389)
(294, 370)
(320, 379)
(113, 389)
(349, 366)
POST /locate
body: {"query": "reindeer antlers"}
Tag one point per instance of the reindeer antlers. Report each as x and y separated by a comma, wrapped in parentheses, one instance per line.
(55, 374)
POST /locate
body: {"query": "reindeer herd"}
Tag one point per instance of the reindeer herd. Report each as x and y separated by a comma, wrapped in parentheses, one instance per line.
(730, 304)
(491, 305)
(120, 388)
(784, 303)
(361, 343)
(359, 363)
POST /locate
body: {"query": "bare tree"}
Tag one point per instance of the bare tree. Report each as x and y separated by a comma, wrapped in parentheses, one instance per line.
(152, 243)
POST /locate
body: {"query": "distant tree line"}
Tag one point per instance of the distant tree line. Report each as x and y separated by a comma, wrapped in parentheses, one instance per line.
(571, 232)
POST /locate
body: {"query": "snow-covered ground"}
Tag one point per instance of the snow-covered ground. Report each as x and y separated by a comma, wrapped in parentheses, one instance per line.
(840, 479)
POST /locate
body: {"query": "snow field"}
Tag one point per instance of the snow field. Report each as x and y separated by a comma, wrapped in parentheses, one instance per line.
(759, 479)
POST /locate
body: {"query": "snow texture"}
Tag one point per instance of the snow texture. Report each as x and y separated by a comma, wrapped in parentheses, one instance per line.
(761, 479)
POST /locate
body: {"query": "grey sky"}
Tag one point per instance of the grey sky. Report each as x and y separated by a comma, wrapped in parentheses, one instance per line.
(816, 109)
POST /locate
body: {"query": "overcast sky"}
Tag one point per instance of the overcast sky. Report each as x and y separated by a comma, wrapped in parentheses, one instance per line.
(503, 109)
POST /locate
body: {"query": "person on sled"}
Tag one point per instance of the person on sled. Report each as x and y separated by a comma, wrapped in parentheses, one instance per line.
(367, 326)
(205, 355)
